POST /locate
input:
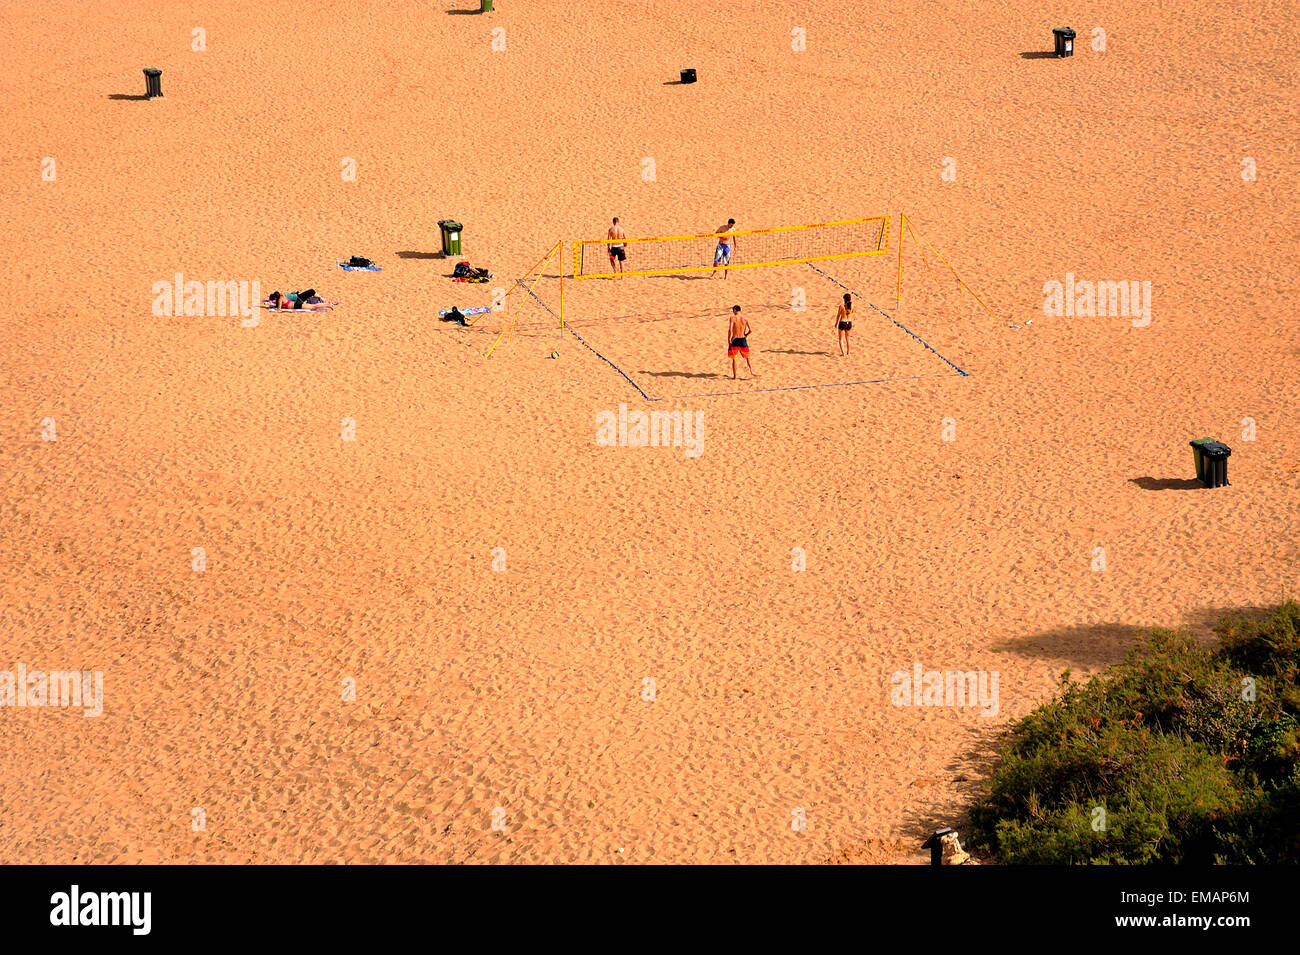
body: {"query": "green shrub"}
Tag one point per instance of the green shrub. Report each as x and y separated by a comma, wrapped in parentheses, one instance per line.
(1162, 759)
(1268, 648)
(1263, 831)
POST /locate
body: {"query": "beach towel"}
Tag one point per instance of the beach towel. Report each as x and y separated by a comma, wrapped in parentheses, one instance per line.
(313, 304)
(468, 311)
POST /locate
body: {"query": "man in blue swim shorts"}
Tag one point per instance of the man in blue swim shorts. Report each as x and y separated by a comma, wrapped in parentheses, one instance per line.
(726, 243)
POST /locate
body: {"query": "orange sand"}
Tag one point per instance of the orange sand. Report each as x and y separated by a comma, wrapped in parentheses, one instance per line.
(372, 560)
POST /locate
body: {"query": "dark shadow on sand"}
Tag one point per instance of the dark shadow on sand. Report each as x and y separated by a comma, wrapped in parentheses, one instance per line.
(464, 13)
(1088, 645)
(792, 351)
(126, 96)
(1101, 644)
(1038, 55)
(680, 374)
(1166, 484)
(420, 255)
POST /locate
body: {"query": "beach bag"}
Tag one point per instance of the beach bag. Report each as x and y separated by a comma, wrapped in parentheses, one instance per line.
(358, 262)
(461, 271)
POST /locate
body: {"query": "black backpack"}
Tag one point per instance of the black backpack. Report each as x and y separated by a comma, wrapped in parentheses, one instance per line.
(359, 263)
(461, 270)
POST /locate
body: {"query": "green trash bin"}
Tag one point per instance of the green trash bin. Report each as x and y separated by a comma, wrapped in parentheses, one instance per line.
(1215, 455)
(1199, 457)
(450, 236)
(485, 6)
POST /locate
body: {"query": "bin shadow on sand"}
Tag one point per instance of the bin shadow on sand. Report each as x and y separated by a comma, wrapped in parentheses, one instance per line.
(127, 96)
(1038, 55)
(420, 255)
(1166, 484)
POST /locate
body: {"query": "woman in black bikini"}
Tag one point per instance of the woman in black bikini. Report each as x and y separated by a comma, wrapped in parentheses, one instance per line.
(844, 323)
(293, 299)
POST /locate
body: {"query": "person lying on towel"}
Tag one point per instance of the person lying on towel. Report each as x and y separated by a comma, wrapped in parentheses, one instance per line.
(295, 299)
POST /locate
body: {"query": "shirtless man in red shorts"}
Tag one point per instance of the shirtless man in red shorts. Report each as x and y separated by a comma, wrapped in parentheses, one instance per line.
(738, 341)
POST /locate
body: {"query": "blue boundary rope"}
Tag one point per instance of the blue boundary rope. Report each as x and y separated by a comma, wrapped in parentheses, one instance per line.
(829, 384)
(758, 391)
(611, 364)
(835, 281)
(570, 330)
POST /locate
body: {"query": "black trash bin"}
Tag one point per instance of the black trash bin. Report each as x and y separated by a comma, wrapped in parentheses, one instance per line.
(1198, 457)
(450, 236)
(688, 76)
(1064, 38)
(1215, 454)
(152, 83)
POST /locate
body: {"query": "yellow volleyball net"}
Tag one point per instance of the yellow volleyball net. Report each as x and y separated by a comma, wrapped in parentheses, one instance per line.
(669, 255)
(742, 249)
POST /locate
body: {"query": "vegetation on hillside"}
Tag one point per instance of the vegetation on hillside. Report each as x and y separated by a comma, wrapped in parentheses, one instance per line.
(1179, 754)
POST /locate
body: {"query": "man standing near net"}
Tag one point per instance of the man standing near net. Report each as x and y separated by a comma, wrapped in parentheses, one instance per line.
(738, 341)
(617, 249)
(726, 245)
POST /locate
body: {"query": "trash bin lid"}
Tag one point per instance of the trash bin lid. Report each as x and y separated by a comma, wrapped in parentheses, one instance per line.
(1200, 442)
(450, 225)
(1065, 32)
(1216, 449)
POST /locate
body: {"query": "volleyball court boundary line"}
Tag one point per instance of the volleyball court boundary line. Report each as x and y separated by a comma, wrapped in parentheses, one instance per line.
(568, 326)
(835, 281)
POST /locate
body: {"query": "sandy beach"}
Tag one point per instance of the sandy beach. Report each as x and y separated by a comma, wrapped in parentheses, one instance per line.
(359, 594)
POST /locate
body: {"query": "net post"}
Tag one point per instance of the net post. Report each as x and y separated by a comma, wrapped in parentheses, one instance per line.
(560, 245)
(902, 218)
(508, 326)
